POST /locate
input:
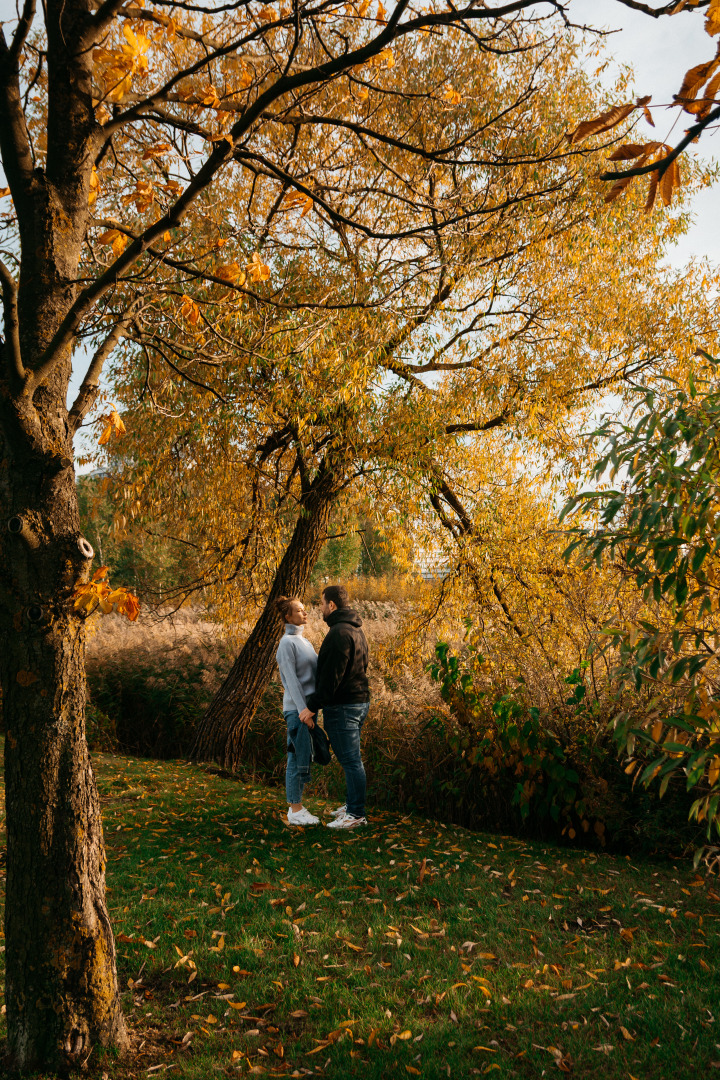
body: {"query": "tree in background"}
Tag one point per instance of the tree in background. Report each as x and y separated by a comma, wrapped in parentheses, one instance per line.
(250, 422)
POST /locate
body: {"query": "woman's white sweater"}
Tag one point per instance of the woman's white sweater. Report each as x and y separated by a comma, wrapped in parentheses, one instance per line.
(297, 661)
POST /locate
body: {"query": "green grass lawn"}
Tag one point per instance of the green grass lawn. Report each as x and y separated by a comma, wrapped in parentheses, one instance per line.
(404, 949)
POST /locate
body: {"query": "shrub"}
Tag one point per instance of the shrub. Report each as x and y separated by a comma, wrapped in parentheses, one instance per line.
(146, 709)
(661, 527)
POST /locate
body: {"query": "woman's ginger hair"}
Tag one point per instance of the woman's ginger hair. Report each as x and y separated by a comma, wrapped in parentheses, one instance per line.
(283, 605)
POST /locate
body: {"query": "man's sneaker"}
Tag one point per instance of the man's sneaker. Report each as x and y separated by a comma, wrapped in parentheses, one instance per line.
(302, 817)
(340, 810)
(346, 821)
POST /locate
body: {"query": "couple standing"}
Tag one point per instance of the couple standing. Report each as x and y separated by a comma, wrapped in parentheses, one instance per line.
(334, 680)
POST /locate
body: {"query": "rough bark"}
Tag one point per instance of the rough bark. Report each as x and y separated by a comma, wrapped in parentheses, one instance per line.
(221, 732)
(61, 987)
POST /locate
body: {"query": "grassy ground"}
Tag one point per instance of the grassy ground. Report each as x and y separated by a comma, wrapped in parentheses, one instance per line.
(405, 949)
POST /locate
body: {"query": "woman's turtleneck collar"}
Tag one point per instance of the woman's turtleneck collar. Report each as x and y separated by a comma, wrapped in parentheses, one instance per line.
(291, 628)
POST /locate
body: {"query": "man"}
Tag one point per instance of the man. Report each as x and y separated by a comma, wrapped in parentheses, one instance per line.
(342, 692)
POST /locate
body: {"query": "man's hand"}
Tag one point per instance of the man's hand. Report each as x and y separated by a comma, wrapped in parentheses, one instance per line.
(308, 718)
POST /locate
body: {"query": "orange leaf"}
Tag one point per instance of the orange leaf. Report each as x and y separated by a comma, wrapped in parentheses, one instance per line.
(712, 18)
(113, 422)
(694, 80)
(600, 123)
(189, 310)
(630, 151)
(231, 273)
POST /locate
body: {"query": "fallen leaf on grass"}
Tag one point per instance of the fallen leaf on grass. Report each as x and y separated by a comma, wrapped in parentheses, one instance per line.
(237, 1004)
(626, 1034)
(317, 1049)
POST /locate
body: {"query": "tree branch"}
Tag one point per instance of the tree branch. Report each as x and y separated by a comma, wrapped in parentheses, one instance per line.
(673, 8)
(663, 164)
(12, 324)
(14, 141)
(90, 386)
(22, 31)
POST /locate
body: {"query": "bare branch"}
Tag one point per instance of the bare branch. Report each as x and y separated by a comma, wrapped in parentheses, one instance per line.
(14, 140)
(22, 31)
(673, 8)
(90, 386)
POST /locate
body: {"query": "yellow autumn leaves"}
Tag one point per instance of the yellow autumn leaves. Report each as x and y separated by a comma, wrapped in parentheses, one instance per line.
(115, 68)
(256, 270)
(712, 18)
(96, 595)
(112, 422)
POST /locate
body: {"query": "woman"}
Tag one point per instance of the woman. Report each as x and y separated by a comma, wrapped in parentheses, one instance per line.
(297, 661)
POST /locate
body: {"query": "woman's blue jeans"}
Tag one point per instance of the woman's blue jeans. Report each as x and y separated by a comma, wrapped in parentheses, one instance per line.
(343, 724)
(299, 756)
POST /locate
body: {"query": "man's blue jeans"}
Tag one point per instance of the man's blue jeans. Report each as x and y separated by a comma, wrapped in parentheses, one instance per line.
(343, 724)
(299, 748)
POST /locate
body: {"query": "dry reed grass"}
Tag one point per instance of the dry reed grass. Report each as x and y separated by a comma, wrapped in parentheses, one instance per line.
(169, 639)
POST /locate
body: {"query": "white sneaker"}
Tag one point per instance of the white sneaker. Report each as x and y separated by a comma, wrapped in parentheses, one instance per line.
(346, 821)
(302, 817)
(340, 810)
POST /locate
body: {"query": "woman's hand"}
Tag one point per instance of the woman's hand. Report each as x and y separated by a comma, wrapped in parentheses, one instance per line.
(308, 718)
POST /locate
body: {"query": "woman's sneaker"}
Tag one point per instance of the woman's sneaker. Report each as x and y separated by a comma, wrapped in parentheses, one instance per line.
(302, 817)
(346, 821)
(340, 810)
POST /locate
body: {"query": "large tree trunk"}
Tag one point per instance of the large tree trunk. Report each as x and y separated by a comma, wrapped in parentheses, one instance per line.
(61, 986)
(221, 732)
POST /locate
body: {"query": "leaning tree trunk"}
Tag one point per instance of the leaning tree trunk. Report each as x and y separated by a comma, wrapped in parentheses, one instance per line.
(61, 986)
(221, 732)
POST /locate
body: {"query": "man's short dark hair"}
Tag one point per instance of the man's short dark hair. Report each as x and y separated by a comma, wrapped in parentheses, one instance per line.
(337, 595)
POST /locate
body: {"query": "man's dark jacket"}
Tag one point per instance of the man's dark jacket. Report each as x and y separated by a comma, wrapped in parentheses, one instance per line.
(342, 663)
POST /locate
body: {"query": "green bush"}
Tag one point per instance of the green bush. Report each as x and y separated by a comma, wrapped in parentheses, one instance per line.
(661, 526)
(502, 765)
